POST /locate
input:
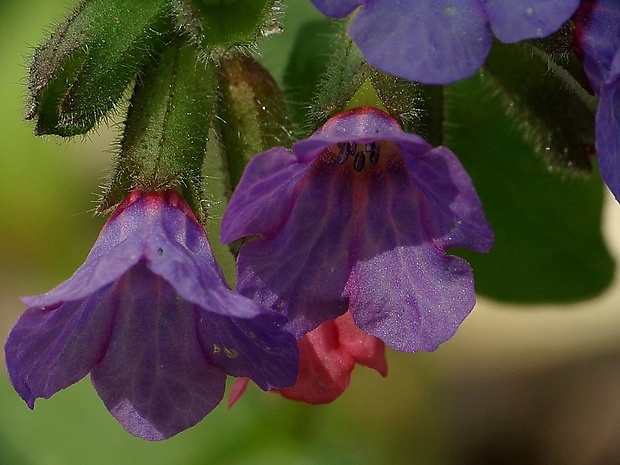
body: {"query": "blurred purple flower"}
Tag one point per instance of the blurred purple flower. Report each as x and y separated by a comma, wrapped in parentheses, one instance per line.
(359, 217)
(150, 317)
(440, 41)
(597, 32)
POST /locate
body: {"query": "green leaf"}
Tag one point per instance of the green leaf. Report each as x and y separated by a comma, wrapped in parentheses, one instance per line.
(552, 109)
(548, 245)
(345, 73)
(402, 99)
(79, 74)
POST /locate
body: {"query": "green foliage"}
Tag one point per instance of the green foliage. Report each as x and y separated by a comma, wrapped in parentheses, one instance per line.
(551, 108)
(344, 74)
(79, 74)
(307, 62)
(548, 242)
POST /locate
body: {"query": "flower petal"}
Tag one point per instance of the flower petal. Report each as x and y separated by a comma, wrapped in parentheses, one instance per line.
(513, 21)
(256, 348)
(359, 125)
(327, 358)
(402, 287)
(160, 228)
(154, 378)
(106, 262)
(608, 136)
(178, 250)
(237, 389)
(50, 349)
(301, 271)
(412, 298)
(264, 196)
(451, 211)
(324, 367)
(434, 42)
(597, 28)
(367, 350)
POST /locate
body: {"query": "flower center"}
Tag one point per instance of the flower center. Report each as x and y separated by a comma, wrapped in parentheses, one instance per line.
(362, 156)
(349, 149)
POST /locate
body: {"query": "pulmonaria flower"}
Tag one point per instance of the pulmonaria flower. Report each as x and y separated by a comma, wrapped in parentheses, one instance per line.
(150, 317)
(597, 33)
(327, 356)
(359, 218)
(439, 41)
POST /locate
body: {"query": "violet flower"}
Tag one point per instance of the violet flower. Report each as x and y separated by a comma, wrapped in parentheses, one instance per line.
(359, 217)
(439, 41)
(150, 317)
(597, 32)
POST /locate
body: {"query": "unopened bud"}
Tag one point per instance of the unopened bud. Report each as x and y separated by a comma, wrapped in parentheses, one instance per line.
(218, 26)
(252, 114)
(79, 74)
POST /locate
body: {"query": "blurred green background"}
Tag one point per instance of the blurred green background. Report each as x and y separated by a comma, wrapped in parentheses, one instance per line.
(516, 385)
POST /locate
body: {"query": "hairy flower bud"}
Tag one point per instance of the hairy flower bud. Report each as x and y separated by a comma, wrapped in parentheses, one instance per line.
(81, 72)
(219, 25)
(252, 114)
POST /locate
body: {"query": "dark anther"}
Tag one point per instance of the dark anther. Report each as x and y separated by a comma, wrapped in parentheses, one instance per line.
(346, 150)
(359, 161)
(160, 251)
(373, 151)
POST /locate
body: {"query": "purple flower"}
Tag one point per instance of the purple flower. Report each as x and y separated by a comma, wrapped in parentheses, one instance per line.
(150, 317)
(598, 41)
(359, 217)
(440, 41)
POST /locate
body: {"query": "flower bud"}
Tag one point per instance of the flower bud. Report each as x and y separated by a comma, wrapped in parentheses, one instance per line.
(78, 75)
(252, 114)
(217, 25)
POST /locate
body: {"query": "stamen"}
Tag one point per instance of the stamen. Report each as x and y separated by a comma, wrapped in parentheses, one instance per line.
(373, 151)
(359, 161)
(346, 150)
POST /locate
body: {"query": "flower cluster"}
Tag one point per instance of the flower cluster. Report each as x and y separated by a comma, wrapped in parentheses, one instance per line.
(344, 243)
(352, 231)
